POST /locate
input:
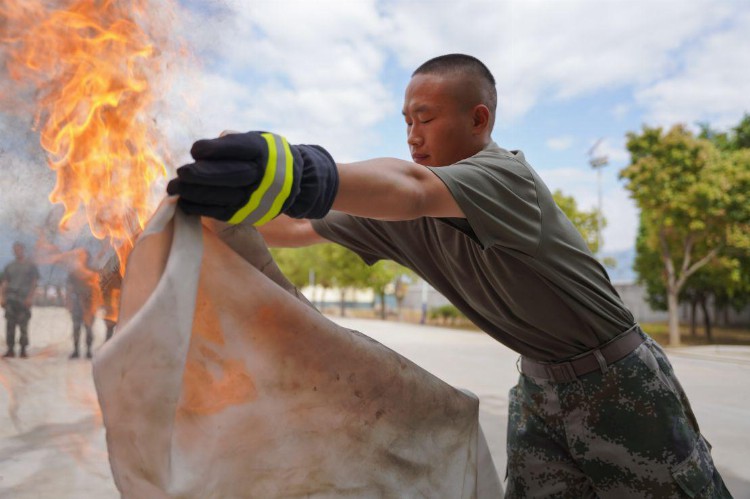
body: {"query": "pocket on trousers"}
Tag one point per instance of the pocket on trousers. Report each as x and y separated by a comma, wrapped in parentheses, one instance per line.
(696, 472)
(665, 375)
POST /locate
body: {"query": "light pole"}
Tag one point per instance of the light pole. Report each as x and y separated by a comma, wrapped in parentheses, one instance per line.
(597, 163)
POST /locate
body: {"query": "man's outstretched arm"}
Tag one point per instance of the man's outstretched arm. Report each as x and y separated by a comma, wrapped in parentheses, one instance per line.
(257, 176)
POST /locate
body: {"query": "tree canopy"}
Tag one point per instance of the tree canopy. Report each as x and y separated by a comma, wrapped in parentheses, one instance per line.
(693, 197)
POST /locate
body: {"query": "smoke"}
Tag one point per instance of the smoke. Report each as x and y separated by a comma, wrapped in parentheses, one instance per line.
(26, 179)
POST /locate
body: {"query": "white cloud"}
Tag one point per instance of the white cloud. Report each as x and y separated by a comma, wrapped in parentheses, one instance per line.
(558, 49)
(559, 143)
(711, 83)
(309, 70)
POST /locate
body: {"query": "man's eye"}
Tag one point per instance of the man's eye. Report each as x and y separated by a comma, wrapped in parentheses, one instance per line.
(426, 121)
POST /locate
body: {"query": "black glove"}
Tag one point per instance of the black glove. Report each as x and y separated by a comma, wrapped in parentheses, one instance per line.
(256, 176)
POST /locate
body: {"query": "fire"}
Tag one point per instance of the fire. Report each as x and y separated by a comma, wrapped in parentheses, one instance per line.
(95, 70)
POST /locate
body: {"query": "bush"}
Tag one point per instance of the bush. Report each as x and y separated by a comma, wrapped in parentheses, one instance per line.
(445, 314)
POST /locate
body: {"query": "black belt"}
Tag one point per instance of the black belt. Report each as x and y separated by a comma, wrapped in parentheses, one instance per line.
(594, 360)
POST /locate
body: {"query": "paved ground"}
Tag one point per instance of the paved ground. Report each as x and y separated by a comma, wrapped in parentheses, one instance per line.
(716, 379)
(52, 441)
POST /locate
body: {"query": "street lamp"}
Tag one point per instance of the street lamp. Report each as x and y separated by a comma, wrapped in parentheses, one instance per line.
(597, 163)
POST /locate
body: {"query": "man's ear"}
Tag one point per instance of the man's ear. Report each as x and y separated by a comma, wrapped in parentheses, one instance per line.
(481, 116)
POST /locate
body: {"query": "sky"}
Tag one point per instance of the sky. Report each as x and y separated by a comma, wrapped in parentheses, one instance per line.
(570, 74)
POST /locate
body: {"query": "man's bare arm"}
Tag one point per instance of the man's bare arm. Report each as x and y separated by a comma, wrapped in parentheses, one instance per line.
(287, 232)
(393, 189)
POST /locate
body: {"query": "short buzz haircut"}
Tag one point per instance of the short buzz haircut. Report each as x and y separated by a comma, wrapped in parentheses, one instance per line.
(462, 64)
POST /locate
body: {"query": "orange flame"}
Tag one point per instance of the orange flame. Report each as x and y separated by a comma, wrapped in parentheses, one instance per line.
(93, 67)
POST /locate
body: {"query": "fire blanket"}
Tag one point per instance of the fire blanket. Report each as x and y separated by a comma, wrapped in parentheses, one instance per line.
(223, 382)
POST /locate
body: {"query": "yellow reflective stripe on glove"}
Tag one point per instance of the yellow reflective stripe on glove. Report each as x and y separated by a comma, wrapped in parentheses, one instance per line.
(275, 186)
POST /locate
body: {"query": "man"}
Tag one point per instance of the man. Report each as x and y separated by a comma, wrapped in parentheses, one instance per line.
(597, 410)
(80, 300)
(110, 284)
(17, 295)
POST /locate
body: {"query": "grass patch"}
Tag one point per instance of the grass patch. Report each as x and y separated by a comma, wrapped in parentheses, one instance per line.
(721, 335)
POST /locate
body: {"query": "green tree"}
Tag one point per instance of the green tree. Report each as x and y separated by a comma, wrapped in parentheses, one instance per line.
(296, 263)
(587, 222)
(381, 275)
(346, 270)
(736, 138)
(692, 202)
(649, 268)
(331, 265)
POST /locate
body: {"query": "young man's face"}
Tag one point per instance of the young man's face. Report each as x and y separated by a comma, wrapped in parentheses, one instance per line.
(438, 124)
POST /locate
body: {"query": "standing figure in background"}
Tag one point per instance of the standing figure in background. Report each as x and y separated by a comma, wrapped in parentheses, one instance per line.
(110, 282)
(17, 295)
(82, 301)
(111, 299)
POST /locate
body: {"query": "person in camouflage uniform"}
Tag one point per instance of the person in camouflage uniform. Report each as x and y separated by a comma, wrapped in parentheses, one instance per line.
(597, 410)
(17, 290)
(110, 284)
(82, 295)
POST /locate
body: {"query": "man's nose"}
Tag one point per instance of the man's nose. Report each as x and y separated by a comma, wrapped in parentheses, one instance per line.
(412, 137)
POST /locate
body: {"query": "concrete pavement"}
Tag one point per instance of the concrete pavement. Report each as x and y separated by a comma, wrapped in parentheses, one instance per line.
(52, 440)
(716, 378)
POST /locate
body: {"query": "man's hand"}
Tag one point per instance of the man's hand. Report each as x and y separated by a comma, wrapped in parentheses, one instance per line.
(256, 176)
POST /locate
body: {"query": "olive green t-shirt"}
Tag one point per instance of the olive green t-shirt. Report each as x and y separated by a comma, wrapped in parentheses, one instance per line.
(20, 278)
(516, 266)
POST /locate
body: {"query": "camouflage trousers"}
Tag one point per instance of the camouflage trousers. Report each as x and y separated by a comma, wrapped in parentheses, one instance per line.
(626, 433)
(16, 314)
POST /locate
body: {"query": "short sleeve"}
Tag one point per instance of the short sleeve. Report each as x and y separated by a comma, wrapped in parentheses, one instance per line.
(497, 193)
(350, 232)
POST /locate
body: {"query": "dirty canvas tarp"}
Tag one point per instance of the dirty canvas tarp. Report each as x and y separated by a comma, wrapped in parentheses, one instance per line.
(222, 381)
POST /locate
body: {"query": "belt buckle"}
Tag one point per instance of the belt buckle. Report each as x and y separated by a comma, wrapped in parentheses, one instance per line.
(562, 372)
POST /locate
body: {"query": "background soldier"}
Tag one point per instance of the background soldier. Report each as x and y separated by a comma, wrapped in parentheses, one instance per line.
(17, 295)
(81, 301)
